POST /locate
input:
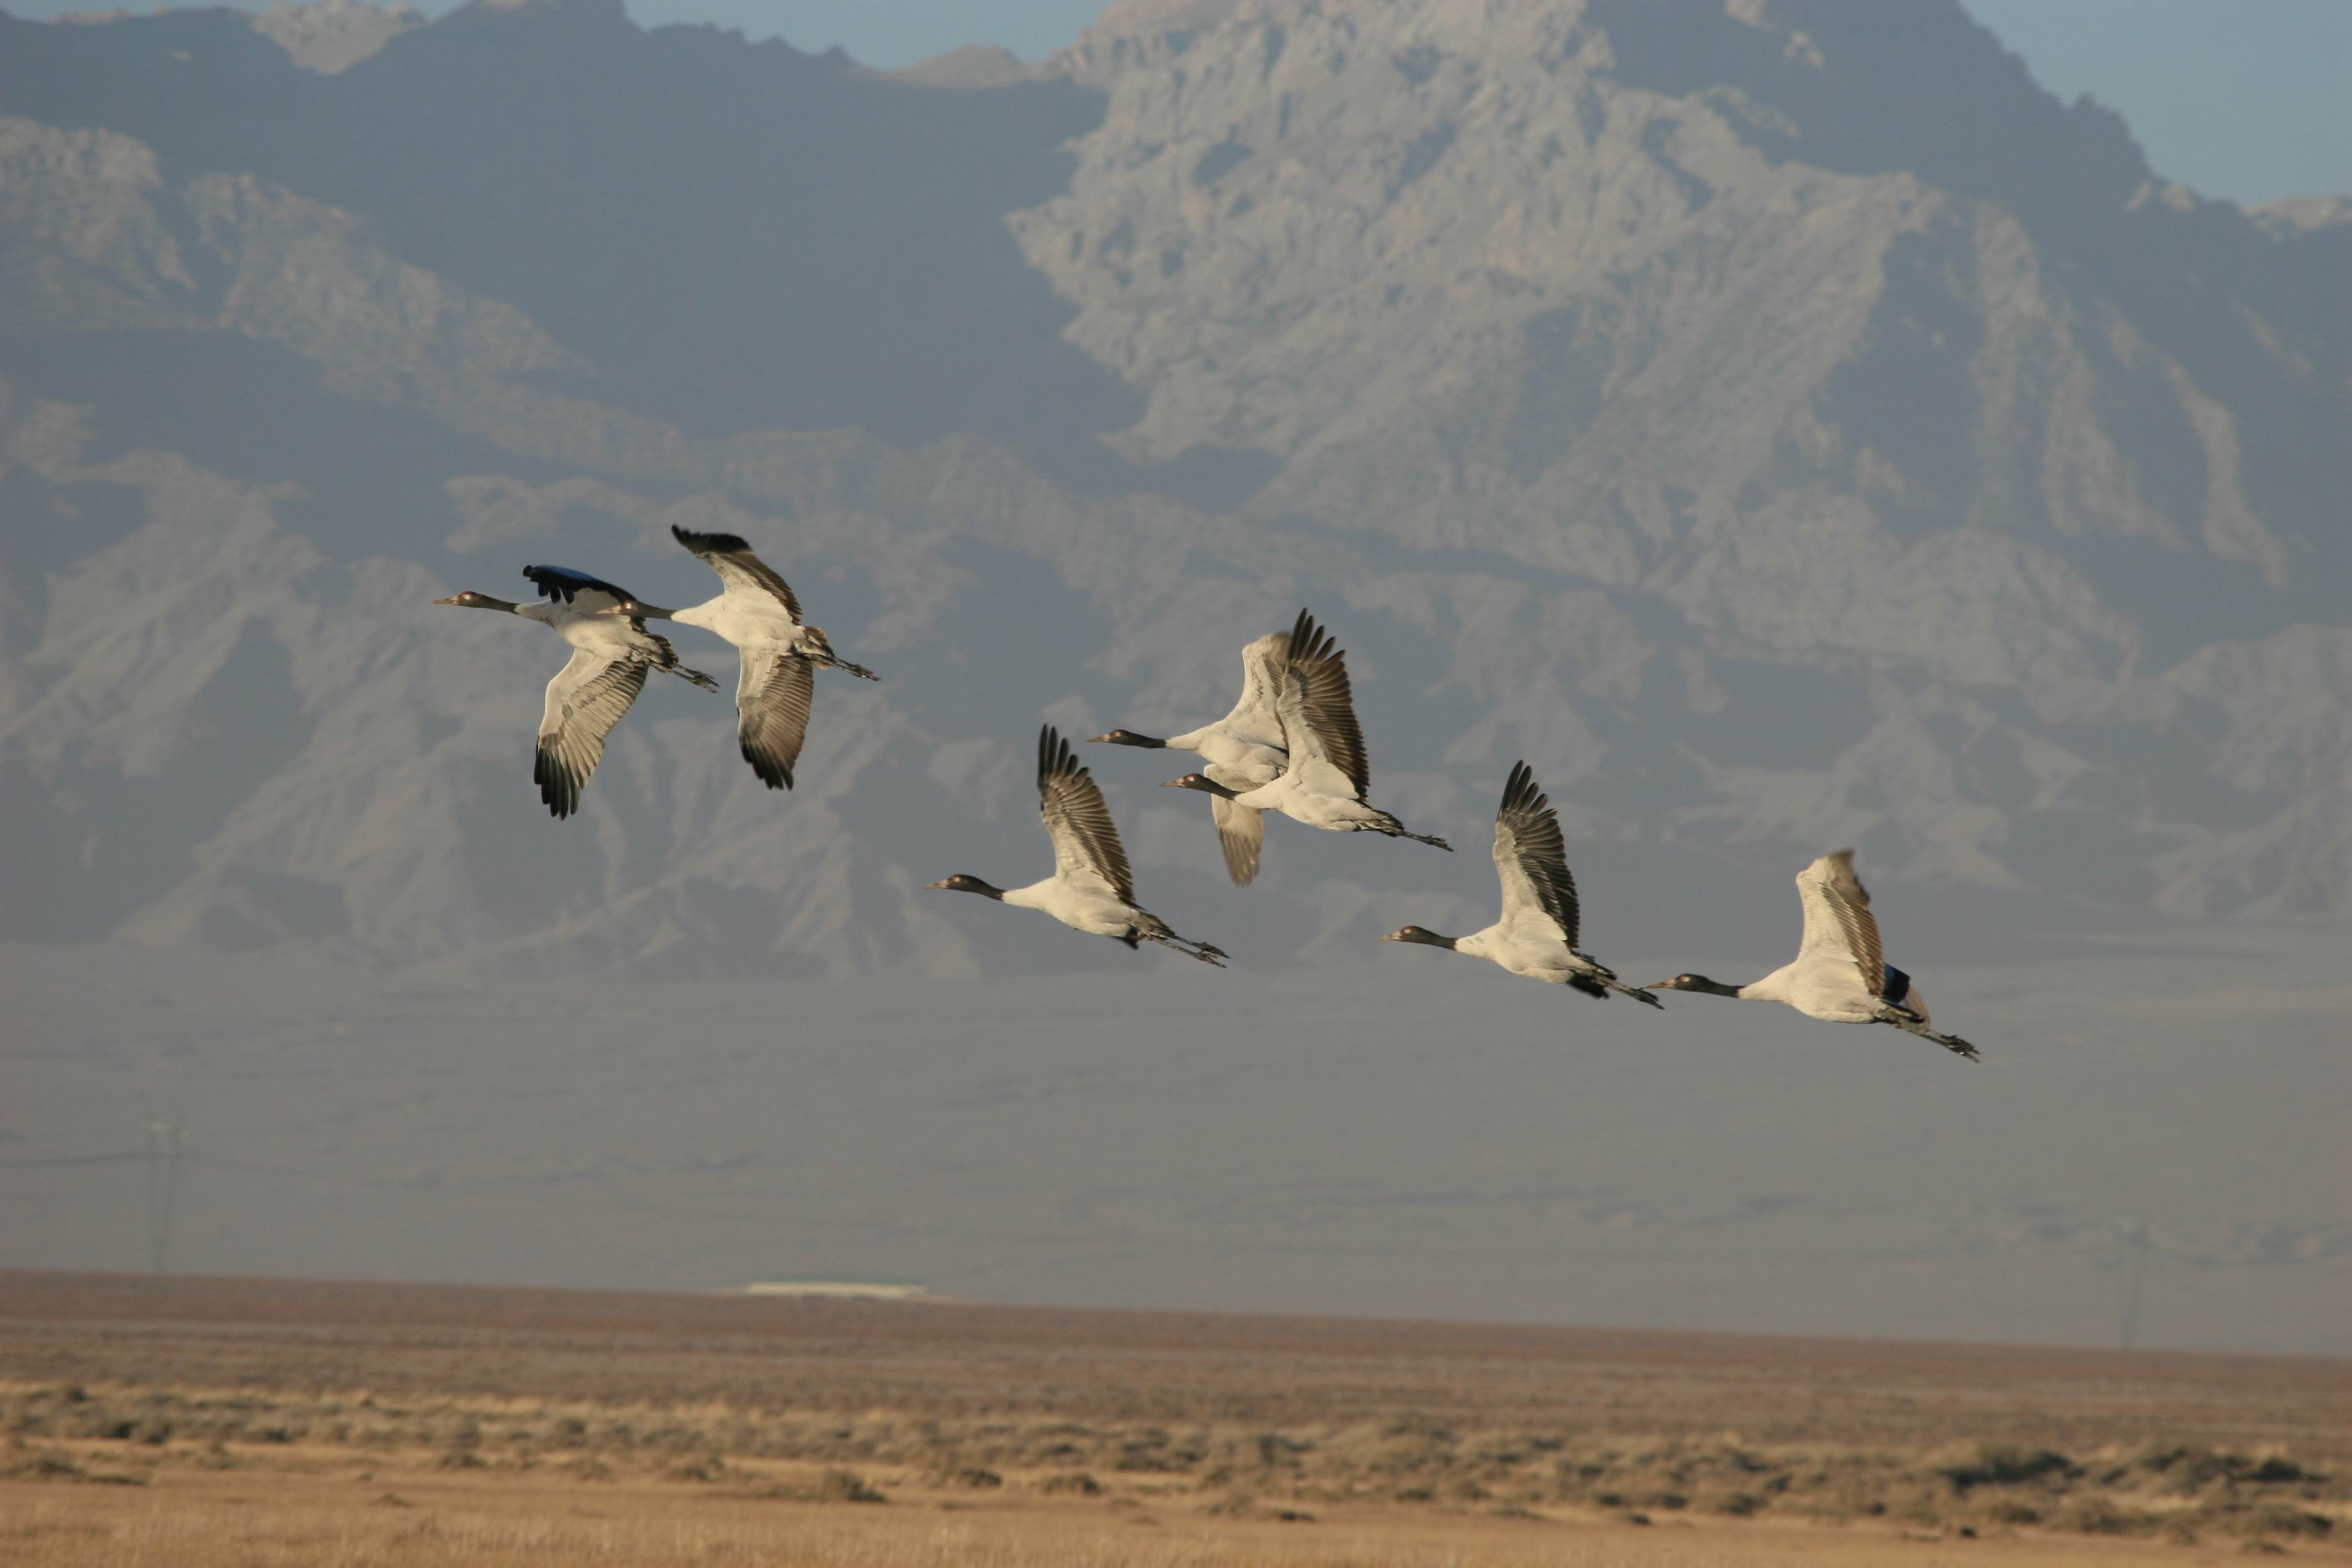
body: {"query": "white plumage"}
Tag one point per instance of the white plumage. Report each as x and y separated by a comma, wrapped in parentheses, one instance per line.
(1327, 773)
(611, 652)
(1537, 935)
(1091, 888)
(1241, 750)
(1840, 973)
(759, 612)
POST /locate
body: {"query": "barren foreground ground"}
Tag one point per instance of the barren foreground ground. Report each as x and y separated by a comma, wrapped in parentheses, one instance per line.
(206, 1422)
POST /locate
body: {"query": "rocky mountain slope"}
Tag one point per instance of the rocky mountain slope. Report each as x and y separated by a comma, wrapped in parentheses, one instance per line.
(1780, 422)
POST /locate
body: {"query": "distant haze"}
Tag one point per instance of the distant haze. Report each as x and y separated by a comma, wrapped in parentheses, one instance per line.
(1784, 428)
(2242, 103)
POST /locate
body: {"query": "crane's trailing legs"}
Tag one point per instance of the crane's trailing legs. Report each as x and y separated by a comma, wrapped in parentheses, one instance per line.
(1905, 1020)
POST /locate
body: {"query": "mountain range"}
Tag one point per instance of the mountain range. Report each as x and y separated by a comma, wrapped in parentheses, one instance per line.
(1778, 421)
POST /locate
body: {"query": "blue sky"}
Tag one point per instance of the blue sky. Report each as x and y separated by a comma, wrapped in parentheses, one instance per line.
(2243, 100)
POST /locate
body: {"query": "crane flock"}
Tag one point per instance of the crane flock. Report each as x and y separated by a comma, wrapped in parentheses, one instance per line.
(1291, 746)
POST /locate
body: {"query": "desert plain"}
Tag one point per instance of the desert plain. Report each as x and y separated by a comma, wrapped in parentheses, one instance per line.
(207, 1421)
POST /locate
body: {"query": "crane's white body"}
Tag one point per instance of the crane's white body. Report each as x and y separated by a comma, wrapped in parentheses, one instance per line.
(1327, 773)
(605, 632)
(753, 622)
(1839, 974)
(1536, 937)
(1544, 958)
(1239, 751)
(1830, 991)
(1094, 909)
(1244, 749)
(1092, 888)
(611, 654)
(759, 614)
(1319, 797)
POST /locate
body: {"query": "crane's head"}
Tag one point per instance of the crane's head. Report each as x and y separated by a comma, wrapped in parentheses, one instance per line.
(1693, 983)
(1421, 934)
(1203, 783)
(1125, 738)
(961, 883)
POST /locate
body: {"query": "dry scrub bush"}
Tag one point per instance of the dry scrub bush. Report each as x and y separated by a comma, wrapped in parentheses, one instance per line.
(1411, 1462)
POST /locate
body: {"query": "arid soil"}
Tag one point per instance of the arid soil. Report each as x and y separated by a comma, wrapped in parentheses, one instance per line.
(203, 1421)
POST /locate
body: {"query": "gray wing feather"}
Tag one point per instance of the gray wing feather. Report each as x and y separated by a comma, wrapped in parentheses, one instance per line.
(1085, 843)
(1241, 832)
(772, 712)
(1531, 859)
(1315, 693)
(1255, 715)
(585, 700)
(739, 569)
(1838, 919)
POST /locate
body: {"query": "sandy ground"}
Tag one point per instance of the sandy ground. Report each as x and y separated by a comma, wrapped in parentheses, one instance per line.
(396, 1517)
(218, 1422)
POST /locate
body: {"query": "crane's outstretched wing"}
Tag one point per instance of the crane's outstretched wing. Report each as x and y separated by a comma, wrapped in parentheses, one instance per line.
(772, 712)
(1318, 715)
(1838, 921)
(584, 700)
(1254, 717)
(577, 589)
(1531, 859)
(740, 571)
(1241, 832)
(1086, 850)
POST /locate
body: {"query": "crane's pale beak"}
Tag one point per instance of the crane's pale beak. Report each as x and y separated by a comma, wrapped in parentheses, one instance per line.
(450, 600)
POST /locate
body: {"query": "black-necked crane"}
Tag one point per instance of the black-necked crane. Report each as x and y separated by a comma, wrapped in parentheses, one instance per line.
(779, 654)
(1537, 933)
(1091, 888)
(1841, 974)
(1327, 775)
(611, 652)
(1242, 751)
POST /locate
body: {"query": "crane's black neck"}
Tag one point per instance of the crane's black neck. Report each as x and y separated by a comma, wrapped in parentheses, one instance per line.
(1427, 937)
(1711, 988)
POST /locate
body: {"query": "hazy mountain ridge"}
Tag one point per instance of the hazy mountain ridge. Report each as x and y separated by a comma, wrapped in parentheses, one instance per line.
(1523, 340)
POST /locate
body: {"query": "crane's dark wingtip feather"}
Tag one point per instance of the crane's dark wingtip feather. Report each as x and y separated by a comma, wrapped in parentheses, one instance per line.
(564, 583)
(557, 789)
(709, 544)
(771, 774)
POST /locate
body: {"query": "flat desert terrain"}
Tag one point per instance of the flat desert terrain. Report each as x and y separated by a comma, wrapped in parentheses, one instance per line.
(198, 1422)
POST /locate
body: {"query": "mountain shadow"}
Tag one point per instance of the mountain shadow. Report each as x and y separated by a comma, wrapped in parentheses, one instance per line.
(740, 236)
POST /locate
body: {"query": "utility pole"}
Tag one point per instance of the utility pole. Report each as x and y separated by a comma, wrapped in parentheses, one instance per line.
(2131, 1267)
(162, 1189)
